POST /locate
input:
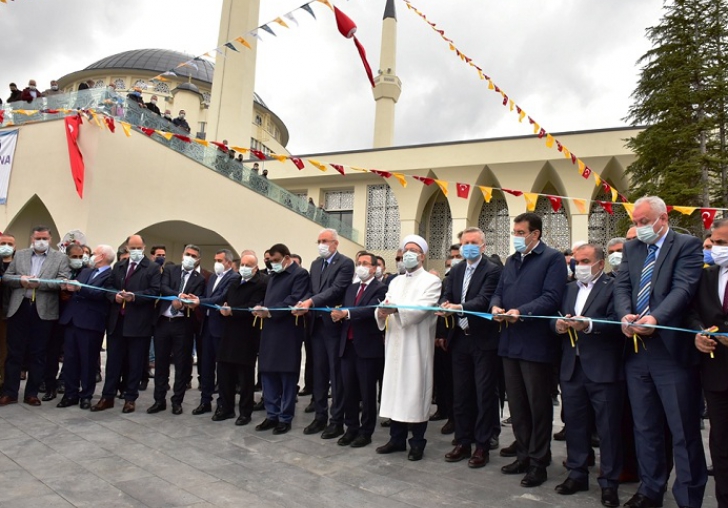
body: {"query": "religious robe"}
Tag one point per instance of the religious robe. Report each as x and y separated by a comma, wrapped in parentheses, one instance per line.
(409, 348)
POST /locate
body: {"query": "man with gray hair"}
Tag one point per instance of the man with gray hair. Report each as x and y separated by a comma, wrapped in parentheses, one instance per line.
(615, 246)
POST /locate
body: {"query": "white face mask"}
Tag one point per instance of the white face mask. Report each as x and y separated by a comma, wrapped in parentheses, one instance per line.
(6, 250)
(246, 272)
(363, 273)
(276, 267)
(188, 262)
(400, 267)
(85, 259)
(41, 245)
(411, 260)
(615, 259)
(378, 272)
(154, 101)
(76, 264)
(454, 261)
(219, 268)
(583, 273)
(136, 255)
(720, 255)
(323, 250)
(92, 262)
(646, 234)
(54, 87)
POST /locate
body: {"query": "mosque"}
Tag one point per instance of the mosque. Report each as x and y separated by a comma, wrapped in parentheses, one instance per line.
(174, 193)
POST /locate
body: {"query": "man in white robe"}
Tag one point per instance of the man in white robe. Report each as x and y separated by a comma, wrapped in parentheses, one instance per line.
(409, 351)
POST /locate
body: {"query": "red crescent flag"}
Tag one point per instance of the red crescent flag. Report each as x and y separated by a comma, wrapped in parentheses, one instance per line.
(147, 131)
(383, 174)
(339, 168)
(258, 154)
(513, 192)
(73, 124)
(424, 179)
(607, 205)
(297, 162)
(463, 190)
(587, 172)
(555, 202)
(707, 214)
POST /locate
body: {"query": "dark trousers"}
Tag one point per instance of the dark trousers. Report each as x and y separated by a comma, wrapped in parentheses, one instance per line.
(206, 362)
(28, 337)
(529, 399)
(80, 356)
(3, 349)
(659, 386)
(53, 357)
(172, 337)
(443, 383)
(279, 395)
(121, 351)
(359, 382)
(475, 381)
(579, 394)
(228, 376)
(718, 414)
(327, 368)
(398, 434)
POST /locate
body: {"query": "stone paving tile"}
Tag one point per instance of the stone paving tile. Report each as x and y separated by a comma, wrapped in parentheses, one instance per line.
(47, 467)
(48, 501)
(157, 493)
(226, 495)
(20, 484)
(114, 469)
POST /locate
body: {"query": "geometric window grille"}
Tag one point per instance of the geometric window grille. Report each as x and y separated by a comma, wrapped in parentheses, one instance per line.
(99, 84)
(440, 230)
(556, 230)
(161, 88)
(141, 84)
(603, 226)
(119, 84)
(339, 200)
(495, 223)
(383, 226)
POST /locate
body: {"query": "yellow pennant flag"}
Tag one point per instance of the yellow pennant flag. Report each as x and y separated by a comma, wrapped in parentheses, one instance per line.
(281, 22)
(629, 208)
(96, 118)
(443, 186)
(549, 141)
(511, 104)
(400, 178)
(615, 194)
(166, 135)
(452, 48)
(317, 163)
(536, 127)
(200, 141)
(487, 193)
(581, 165)
(597, 179)
(521, 116)
(359, 169)
(243, 42)
(490, 85)
(566, 152)
(280, 158)
(480, 73)
(240, 149)
(531, 199)
(685, 210)
(127, 129)
(326, 2)
(580, 204)
(26, 112)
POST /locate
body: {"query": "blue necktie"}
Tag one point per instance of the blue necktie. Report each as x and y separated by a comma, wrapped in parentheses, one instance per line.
(643, 297)
(463, 322)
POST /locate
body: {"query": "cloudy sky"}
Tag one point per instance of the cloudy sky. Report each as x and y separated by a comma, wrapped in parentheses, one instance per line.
(571, 64)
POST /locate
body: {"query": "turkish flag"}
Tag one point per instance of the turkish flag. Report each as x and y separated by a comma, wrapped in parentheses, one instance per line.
(347, 28)
(147, 131)
(587, 172)
(424, 179)
(221, 146)
(383, 174)
(513, 192)
(73, 124)
(297, 162)
(707, 214)
(258, 154)
(110, 123)
(607, 206)
(339, 168)
(186, 139)
(555, 202)
(463, 190)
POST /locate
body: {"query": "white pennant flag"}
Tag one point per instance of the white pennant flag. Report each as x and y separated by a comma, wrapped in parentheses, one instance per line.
(290, 18)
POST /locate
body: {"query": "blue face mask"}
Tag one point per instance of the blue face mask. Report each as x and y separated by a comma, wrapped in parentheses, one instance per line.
(519, 243)
(708, 257)
(470, 251)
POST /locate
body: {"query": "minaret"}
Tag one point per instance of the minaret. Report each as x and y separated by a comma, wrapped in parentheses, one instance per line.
(388, 85)
(231, 106)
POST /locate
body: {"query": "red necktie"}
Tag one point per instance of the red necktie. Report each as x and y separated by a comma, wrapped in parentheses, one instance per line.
(725, 299)
(362, 287)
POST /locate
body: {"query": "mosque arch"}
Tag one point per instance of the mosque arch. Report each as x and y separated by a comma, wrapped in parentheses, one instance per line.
(493, 217)
(556, 225)
(33, 213)
(436, 226)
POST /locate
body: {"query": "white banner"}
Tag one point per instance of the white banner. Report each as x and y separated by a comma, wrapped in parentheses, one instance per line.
(8, 140)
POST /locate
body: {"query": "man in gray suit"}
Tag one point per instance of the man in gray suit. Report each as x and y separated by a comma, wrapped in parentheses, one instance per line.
(32, 309)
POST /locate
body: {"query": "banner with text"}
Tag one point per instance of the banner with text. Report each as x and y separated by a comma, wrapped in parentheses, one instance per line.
(8, 140)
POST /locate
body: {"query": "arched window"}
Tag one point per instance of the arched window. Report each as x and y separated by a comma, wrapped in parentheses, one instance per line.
(99, 84)
(556, 230)
(141, 84)
(382, 218)
(495, 223)
(604, 226)
(119, 85)
(161, 88)
(440, 237)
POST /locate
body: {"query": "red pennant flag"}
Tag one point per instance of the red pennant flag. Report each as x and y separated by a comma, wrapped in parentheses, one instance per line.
(221, 146)
(347, 28)
(555, 202)
(297, 162)
(339, 168)
(2, 116)
(623, 198)
(559, 146)
(541, 133)
(147, 131)
(573, 158)
(427, 181)
(707, 214)
(383, 174)
(110, 123)
(606, 187)
(505, 100)
(258, 154)
(513, 192)
(51, 111)
(463, 190)
(607, 205)
(531, 120)
(73, 124)
(183, 138)
(669, 208)
(587, 172)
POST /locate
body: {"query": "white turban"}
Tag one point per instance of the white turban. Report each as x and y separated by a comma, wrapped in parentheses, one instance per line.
(415, 239)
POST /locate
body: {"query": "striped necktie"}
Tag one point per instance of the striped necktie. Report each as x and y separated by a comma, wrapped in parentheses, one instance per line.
(463, 322)
(643, 297)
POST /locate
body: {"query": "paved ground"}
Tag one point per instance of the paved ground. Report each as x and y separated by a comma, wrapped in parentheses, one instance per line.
(52, 457)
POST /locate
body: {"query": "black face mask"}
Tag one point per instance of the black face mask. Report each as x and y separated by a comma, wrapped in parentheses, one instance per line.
(268, 265)
(159, 261)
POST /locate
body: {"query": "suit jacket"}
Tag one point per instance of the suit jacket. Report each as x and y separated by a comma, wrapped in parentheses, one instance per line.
(46, 295)
(171, 277)
(483, 284)
(139, 314)
(328, 288)
(88, 309)
(674, 281)
(213, 318)
(601, 352)
(240, 339)
(368, 338)
(533, 285)
(706, 311)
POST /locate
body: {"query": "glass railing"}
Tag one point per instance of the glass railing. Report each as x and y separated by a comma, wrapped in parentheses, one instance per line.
(121, 109)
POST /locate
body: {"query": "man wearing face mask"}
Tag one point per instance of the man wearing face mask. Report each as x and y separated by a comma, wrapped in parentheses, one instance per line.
(7, 251)
(152, 105)
(240, 342)
(615, 246)
(53, 90)
(181, 122)
(532, 282)
(409, 351)
(159, 255)
(14, 93)
(656, 282)
(281, 338)
(34, 277)
(592, 375)
(210, 332)
(137, 281)
(31, 92)
(331, 274)
(707, 253)
(174, 329)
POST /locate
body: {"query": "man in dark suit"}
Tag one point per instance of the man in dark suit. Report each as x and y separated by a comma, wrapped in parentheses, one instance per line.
(657, 279)
(331, 274)
(138, 281)
(84, 323)
(211, 330)
(361, 349)
(473, 345)
(592, 374)
(240, 341)
(281, 339)
(532, 282)
(174, 329)
(710, 308)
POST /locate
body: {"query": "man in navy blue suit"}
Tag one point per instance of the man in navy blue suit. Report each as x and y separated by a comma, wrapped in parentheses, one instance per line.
(657, 280)
(592, 374)
(84, 320)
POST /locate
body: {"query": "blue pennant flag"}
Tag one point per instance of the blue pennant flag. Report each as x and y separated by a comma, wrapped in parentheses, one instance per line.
(308, 9)
(269, 30)
(230, 45)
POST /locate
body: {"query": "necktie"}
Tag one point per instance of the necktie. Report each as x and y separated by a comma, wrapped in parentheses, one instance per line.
(463, 322)
(643, 297)
(362, 287)
(94, 274)
(725, 299)
(323, 266)
(129, 273)
(182, 282)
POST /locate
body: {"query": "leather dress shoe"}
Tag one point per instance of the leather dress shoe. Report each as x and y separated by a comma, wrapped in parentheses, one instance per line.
(61, 388)
(437, 416)
(157, 407)
(570, 486)
(332, 431)
(346, 439)
(494, 443)
(102, 404)
(242, 420)
(560, 435)
(535, 476)
(85, 404)
(448, 428)
(305, 392)
(509, 451)
(49, 396)
(361, 441)
(259, 406)
(143, 384)
(311, 408)
(458, 453)
(129, 407)
(176, 409)
(6, 399)
(221, 415)
(609, 497)
(266, 425)
(32, 401)
(66, 402)
(479, 459)
(386, 423)
(515, 467)
(315, 427)
(282, 428)
(204, 407)
(415, 453)
(642, 501)
(391, 447)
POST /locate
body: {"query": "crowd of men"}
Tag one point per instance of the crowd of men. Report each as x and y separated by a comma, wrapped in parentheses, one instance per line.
(630, 369)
